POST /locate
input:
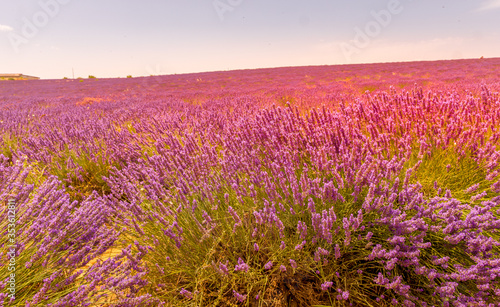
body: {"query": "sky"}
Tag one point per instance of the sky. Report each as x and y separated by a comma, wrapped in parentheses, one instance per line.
(53, 39)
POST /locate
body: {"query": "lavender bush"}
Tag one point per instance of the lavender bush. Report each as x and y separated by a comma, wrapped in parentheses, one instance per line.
(56, 240)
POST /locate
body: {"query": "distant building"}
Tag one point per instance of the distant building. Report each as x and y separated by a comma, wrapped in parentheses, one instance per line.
(17, 77)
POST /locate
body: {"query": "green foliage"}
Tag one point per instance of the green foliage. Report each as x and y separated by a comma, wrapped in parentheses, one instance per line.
(85, 176)
(451, 171)
(286, 100)
(9, 145)
(369, 88)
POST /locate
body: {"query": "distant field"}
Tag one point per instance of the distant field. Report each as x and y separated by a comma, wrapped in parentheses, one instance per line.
(351, 185)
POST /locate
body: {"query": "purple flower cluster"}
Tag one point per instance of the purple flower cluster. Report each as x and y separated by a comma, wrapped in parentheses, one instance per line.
(326, 285)
(241, 266)
(55, 232)
(240, 297)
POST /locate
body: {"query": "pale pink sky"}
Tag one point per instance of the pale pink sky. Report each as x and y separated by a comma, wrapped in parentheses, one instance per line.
(115, 38)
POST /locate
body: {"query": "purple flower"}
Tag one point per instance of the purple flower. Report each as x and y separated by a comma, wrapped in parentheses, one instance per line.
(391, 263)
(369, 236)
(448, 289)
(293, 264)
(311, 206)
(282, 268)
(302, 229)
(320, 252)
(472, 188)
(326, 285)
(241, 266)
(235, 216)
(268, 265)
(186, 293)
(441, 261)
(478, 196)
(223, 269)
(241, 298)
(300, 246)
(337, 251)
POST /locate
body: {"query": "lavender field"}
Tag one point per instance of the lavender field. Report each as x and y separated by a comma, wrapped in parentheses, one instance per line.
(352, 185)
